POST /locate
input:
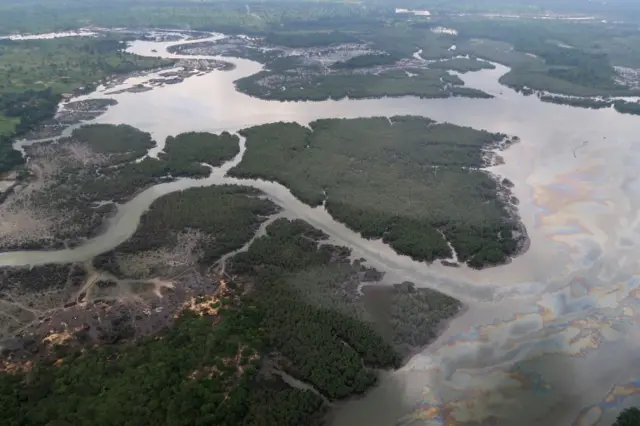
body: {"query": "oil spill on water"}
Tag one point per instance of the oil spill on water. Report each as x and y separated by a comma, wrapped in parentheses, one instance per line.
(552, 337)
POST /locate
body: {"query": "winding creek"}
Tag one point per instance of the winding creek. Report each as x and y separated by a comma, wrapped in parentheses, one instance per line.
(551, 337)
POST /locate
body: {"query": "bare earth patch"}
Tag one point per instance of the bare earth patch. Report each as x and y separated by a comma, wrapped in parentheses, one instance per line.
(183, 255)
(35, 215)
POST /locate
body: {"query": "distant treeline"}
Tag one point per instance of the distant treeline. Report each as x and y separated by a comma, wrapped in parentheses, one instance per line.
(366, 61)
(623, 107)
(309, 39)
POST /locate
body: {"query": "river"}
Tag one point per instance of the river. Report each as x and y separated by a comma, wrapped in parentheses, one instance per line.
(546, 337)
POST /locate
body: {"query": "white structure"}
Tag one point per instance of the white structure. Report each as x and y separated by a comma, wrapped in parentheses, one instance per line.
(444, 30)
(414, 12)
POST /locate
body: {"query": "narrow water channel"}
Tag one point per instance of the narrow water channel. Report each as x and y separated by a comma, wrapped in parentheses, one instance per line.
(546, 337)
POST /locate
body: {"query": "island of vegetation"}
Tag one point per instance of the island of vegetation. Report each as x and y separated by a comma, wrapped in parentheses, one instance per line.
(37, 73)
(269, 323)
(75, 181)
(273, 338)
(356, 70)
(417, 184)
(628, 417)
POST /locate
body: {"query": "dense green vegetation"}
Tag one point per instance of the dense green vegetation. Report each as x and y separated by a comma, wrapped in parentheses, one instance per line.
(626, 107)
(462, 65)
(223, 368)
(577, 102)
(324, 277)
(312, 340)
(201, 147)
(204, 370)
(316, 87)
(120, 142)
(101, 162)
(36, 72)
(182, 157)
(366, 61)
(628, 417)
(19, 113)
(623, 107)
(409, 183)
(229, 215)
(565, 60)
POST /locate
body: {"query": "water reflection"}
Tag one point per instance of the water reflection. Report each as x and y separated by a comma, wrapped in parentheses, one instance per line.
(547, 336)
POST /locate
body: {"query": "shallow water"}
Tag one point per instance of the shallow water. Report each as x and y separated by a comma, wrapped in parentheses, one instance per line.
(546, 336)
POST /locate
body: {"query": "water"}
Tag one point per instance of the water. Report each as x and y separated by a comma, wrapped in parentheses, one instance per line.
(546, 337)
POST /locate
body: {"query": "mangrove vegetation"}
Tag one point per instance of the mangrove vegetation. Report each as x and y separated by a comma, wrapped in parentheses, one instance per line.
(415, 183)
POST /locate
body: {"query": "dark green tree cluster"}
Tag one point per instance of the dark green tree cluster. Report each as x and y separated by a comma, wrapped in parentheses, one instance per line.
(366, 61)
(627, 107)
(228, 215)
(413, 183)
(122, 142)
(37, 72)
(409, 316)
(318, 85)
(462, 65)
(628, 417)
(577, 102)
(223, 369)
(182, 157)
(202, 371)
(201, 147)
(322, 346)
(28, 108)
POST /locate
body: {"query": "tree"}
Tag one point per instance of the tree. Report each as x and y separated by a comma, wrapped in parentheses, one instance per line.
(628, 417)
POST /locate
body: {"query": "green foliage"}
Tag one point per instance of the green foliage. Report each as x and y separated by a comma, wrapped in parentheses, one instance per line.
(577, 102)
(312, 339)
(366, 61)
(628, 417)
(318, 86)
(462, 65)
(182, 157)
(66, 64)
(22, 111)
(36, 72)
(568, 58)
(386, 181)
(229, 215)
(192, 375)
(626, 107)
(123, 141)
(201, 147)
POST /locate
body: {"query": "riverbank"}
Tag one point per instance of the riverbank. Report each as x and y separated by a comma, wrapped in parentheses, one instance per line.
(66, 330)
(569, 209)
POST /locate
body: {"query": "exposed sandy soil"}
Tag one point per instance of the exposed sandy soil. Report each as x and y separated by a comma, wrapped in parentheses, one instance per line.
(160, 262)
(33, 216)
(56, 308)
